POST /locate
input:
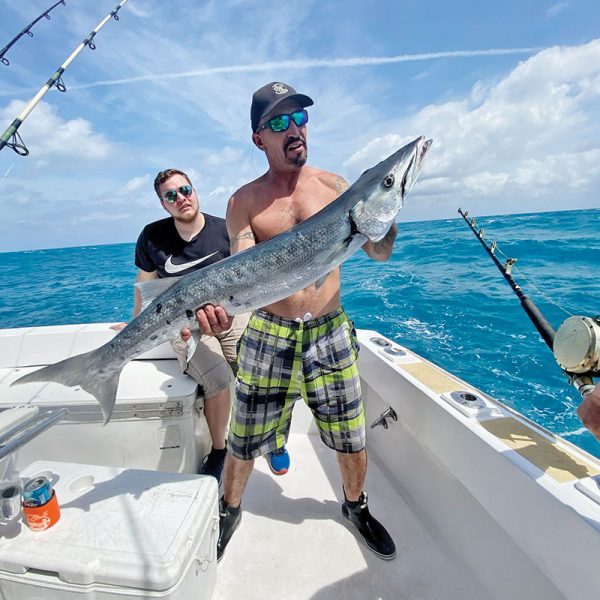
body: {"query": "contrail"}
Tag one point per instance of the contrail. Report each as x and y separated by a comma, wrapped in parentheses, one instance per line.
(6, 174)
(337, 63)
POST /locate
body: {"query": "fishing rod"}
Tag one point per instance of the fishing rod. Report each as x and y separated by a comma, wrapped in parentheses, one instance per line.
(576, 343)
(27, 31)
(11, 137)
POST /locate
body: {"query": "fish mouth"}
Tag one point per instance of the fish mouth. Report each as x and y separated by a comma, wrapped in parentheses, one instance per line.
(412, 172)
(422, 150)
(405, 178)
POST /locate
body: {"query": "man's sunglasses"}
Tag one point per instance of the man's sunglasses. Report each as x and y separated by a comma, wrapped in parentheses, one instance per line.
(171, 195)
(282, 122)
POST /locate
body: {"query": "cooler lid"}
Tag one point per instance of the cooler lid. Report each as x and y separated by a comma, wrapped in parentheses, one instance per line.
(120, 527)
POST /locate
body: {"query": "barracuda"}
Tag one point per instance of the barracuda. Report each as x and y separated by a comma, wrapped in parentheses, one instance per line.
(261, 275)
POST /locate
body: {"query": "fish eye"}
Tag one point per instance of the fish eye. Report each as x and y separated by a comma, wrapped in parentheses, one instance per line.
(388, 182)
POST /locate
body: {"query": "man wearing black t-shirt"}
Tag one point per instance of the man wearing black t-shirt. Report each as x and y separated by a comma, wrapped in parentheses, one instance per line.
(185, 241)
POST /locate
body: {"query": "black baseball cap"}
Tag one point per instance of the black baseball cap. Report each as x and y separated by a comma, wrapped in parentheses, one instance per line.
(269, 96)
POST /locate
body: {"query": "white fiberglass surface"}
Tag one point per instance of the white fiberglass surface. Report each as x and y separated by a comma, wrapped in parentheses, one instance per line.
(293, 541)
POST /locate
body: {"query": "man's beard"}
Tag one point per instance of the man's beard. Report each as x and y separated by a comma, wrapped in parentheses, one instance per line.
(186, 217)
(298, 160)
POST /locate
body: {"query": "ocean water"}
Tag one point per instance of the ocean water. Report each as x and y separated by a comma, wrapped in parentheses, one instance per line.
(440, 294)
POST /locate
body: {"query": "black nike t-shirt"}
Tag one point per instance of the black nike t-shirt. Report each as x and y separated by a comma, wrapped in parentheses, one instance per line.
(160, 248)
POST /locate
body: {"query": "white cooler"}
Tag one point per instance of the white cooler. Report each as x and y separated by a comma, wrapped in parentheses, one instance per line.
(123, 533)
(154, 425)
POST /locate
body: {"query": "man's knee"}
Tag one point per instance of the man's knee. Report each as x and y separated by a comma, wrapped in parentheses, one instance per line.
(214, 381)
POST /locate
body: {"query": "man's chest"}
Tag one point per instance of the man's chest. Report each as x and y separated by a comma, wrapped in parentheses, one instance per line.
(281, 214)
(174, 256)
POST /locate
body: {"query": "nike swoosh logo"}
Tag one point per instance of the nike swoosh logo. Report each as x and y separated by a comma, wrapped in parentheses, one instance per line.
(171, 268)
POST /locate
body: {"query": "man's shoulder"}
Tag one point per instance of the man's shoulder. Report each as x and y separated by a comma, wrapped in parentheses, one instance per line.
(243, 199)
(249, 190)
(213, 219)
(329, 180)
(156, 230)
(214, 225)
(326, 176)
(161, 225)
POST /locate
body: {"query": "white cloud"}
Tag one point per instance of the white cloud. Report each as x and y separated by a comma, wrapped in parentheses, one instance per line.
(47, 134)
(136, 184)
(139, 12)
(556, 9)
(532, 135)
(227, 156)
(376, 150)
(192, 68)
(222, 191)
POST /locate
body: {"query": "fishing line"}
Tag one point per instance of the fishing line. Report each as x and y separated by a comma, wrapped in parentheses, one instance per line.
(526, 278)
(252, 160)
(494, 248)
(27, 30)
(574, 344)
(11, 137)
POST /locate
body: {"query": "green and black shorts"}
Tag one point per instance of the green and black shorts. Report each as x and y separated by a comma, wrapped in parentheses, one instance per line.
(281, 360)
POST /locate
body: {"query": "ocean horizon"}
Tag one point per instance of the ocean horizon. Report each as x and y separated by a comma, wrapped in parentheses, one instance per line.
(440, 295)
(399, 222)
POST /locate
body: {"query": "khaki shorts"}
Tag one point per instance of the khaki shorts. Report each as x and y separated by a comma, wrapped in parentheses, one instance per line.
(214, 362)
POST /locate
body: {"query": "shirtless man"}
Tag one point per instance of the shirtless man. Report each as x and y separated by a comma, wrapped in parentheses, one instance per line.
(304, 345)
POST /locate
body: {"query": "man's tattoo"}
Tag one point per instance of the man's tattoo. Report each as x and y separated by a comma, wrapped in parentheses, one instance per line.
(249, 235)
(340, 186)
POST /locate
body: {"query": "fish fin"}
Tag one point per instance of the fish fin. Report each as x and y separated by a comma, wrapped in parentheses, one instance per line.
(153, 288)
(83, 370)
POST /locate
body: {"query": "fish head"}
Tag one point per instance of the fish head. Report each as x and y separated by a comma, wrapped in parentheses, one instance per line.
(381, 189)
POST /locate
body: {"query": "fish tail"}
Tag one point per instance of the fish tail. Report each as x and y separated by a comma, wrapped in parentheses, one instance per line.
(83, 370)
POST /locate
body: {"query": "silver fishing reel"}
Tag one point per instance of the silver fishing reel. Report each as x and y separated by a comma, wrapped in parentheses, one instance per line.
(577, 345)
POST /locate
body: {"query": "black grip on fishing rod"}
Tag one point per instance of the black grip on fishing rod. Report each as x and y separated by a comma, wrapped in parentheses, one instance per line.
(537, 318)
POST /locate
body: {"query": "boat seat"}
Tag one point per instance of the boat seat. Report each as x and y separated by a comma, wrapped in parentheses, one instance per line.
(157, 421)
(153, 377)
(36, 346)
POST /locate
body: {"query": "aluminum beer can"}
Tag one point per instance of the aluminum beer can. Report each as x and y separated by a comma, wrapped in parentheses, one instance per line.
(37, 491)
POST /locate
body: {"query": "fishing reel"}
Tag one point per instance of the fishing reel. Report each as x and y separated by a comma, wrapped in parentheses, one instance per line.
(576, 349)
(576, 344)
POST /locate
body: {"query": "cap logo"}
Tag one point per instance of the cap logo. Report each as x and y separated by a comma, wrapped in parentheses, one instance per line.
(279, 89)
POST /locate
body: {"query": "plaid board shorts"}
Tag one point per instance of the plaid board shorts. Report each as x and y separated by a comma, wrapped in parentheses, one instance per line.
(281, 360)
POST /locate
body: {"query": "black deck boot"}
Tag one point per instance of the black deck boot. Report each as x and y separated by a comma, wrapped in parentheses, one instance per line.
(229, 519)
(371, 530)
(213, 464)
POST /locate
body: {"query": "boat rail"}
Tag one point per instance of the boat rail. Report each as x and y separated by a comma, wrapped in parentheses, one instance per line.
(22, 424)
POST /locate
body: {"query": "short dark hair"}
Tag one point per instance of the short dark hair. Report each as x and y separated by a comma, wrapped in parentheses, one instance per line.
(164, 175)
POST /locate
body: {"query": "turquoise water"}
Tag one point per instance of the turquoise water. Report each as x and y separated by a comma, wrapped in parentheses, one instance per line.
(440, 295)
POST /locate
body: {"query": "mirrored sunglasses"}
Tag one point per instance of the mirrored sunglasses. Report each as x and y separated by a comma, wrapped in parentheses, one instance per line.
(170, 196)
(282, 122)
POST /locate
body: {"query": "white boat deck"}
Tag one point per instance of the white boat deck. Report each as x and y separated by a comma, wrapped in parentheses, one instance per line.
(294, 543)
(480, 502)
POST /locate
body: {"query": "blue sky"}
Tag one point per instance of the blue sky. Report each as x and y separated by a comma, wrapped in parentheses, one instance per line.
(508, 91)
